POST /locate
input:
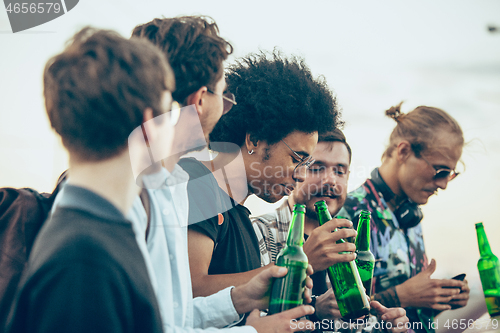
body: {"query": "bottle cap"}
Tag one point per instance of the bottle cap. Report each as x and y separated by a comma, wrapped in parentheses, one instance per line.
(299, 208)
(320, 203)
(479, 225)
(365, 214)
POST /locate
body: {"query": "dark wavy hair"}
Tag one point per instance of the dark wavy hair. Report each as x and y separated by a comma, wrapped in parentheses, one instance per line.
(97, 89)
(335, 135)
(193, 48)
(276, 96)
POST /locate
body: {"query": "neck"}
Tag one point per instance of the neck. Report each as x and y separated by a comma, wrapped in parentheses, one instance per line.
(309, 223)
(229, 171)
(112, 179)
(389, 171)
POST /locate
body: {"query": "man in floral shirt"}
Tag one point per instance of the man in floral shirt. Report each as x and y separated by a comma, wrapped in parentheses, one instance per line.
(423, 152)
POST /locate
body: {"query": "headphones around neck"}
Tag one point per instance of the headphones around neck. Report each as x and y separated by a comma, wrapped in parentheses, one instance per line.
(408, 213)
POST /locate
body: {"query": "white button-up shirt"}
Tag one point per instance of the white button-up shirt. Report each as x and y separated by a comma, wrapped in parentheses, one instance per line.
(166, 256)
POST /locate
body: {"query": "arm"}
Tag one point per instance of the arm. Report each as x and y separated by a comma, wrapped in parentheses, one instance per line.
(200, 249)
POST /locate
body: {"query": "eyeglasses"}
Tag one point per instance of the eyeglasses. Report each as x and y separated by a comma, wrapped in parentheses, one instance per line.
(442, 173)
(306, 161)
(228, 100)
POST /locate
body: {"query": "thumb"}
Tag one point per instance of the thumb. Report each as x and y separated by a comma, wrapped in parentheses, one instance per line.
(431, 268)
(378, 307)
(272, 272)
(255, 314)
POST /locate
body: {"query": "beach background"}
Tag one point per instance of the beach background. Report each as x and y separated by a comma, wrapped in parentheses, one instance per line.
(373, 54)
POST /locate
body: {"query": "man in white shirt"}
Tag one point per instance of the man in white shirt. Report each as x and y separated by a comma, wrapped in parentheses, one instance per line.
(196, 54)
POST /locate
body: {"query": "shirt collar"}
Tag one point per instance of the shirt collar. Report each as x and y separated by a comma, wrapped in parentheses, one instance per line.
(163, 178)
(72, 196)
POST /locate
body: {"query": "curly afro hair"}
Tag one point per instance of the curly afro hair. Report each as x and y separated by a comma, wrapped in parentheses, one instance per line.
(276, 96)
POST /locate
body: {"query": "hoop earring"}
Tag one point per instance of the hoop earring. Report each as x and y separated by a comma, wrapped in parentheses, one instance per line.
(250, 152)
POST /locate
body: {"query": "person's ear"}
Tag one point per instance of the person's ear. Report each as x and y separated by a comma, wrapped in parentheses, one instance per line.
(251, 143)
(403, 151)
(197, 99)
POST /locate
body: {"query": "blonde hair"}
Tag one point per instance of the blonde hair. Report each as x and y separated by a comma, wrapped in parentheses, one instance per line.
(419, 127)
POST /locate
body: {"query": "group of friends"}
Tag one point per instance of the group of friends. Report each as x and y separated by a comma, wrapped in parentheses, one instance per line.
(142, 238)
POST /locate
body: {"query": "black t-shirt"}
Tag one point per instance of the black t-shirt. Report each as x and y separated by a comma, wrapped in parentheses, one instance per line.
(85, 274)
(213, 213)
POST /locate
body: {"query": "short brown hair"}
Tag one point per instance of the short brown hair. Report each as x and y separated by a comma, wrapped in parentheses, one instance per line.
(419, 128)
(335, 135)
(97, 89)
(193, 48)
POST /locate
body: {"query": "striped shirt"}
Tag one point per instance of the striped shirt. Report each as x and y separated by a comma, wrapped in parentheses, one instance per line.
(272, 230)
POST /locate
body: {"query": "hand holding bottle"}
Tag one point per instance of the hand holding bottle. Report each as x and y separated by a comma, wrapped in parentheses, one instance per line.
(326, 306)
(423, 292)
(321, 246)
(282, 322)
(255, 293)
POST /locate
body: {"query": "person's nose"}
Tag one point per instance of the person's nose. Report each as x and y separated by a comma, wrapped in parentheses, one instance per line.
(441, 183)
(330, 178)
(299, 174)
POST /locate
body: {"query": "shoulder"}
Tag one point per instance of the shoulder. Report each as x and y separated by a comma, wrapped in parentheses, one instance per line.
(356, 201)
(272, 225)
(193, 167)
(71, 235)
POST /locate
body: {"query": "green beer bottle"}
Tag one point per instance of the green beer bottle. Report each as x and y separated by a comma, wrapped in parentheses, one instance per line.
(344, 277)
(287, 292)
(365, 259)
(489, 271)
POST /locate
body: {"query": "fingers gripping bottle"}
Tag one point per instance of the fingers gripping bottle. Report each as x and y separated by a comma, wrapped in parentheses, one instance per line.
(344, 277)
(489, 271)
(287, 292)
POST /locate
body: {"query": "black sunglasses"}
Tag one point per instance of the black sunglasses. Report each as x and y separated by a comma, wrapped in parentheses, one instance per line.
(442, 173)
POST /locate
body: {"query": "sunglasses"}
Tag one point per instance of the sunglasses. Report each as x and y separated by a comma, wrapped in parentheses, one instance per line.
(442, 173)
(228, 100)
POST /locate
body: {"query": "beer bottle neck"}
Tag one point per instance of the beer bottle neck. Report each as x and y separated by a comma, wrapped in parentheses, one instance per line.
(363, 237)
(482, 242)
(296, 232)
(324, 216)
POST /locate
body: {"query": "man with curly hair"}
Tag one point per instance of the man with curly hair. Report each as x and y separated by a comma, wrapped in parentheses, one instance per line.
(273, 130)
(196, 53)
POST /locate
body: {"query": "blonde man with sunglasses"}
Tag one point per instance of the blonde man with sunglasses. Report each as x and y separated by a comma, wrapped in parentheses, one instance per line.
(421, 158)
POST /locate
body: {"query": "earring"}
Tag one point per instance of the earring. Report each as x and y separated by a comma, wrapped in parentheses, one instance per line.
(250, 152)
